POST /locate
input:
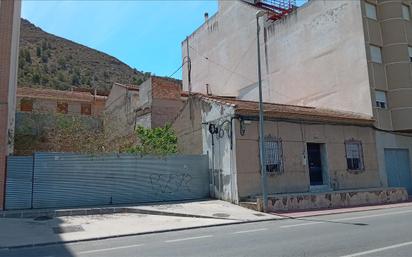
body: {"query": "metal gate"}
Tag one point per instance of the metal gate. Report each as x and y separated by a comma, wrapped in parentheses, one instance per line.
(72, 180)
(19, 182)
(397, 165)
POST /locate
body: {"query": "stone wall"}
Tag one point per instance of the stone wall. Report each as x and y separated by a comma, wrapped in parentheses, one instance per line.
(336, 199)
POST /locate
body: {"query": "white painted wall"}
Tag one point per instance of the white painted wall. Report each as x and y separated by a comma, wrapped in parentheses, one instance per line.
(224, 157)
(315, 56)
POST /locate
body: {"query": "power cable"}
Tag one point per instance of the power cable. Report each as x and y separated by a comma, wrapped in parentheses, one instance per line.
(180, 67)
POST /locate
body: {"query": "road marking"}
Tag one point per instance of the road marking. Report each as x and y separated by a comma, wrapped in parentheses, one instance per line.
(373, 215)
(249, 231)
(110, 249)
(378, 249)
(187, 238)
(300, 224)
(345, 219)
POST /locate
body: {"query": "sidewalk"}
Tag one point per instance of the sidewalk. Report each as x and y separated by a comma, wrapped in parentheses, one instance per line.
(162, 217)
(144, 219)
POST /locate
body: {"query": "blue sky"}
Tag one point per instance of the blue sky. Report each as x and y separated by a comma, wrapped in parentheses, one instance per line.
(146, 35)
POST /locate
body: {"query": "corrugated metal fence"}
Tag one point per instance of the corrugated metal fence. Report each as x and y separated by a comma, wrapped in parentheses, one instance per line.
(19, 182)
(71, 180)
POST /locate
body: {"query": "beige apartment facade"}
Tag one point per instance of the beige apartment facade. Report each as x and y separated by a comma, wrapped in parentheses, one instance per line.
(352, 56)
(9, 43)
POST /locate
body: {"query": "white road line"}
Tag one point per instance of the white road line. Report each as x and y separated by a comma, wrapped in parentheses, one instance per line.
(378, 249)
(300, 224)
(373, 215)
(345, 219)
(187, 238)
(110, 249)
(249, 231)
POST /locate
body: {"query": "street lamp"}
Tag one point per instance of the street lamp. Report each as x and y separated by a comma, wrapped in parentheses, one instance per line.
(261, 119)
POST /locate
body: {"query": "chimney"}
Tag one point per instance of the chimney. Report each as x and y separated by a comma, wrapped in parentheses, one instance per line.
(206, 16)
(208, 91)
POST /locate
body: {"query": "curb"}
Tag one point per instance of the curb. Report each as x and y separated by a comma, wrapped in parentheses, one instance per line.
(2, 248)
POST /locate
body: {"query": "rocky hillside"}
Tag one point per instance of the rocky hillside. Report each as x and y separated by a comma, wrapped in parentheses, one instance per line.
(46, 60)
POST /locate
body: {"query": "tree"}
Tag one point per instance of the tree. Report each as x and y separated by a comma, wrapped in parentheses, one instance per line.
(38, 51)
(44, 45)
(62, 63)
(75, 80)
(27, 56)
(44, 57)
(157, 141)
(106, 75)
(60, 76)
(36, 78)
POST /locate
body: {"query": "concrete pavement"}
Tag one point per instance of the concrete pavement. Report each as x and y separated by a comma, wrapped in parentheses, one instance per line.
(385, 232)
(148, 219)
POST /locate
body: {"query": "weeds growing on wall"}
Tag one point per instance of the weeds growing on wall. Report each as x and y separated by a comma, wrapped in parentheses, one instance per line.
(155, 141)
(51, 132)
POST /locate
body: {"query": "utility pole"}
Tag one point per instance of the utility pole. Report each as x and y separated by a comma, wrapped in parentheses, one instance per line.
(189, 82)
(261, 120)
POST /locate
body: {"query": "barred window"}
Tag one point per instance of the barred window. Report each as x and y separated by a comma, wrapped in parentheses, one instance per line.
(273, 154)
(354, 155)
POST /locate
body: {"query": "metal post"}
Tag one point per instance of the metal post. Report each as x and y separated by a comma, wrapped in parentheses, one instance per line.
(189, 79)
(261, 120)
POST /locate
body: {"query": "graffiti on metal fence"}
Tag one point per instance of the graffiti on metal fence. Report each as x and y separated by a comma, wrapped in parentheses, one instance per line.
(171, 183)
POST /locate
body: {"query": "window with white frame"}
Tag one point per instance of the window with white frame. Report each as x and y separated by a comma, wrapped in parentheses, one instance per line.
(273, 154)
(376, 53)
(370, 11)
(410, 53)
(380, 99)
(354, 155)
(406, 12)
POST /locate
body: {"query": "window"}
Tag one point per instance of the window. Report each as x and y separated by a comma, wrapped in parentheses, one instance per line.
(86, 109)
(371, 11)
(26, 105)
(273, 155)
(410, 53)
(380, 99)
(354, 155)
(406, 12)
(62, 107)
(376, 54)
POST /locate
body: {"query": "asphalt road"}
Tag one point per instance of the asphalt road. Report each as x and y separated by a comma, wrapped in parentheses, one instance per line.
(370, 233)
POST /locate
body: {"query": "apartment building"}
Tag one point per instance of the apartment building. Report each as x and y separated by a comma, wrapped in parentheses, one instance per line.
(9, 43)
(353, 56)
